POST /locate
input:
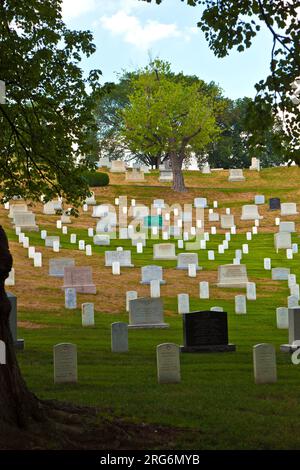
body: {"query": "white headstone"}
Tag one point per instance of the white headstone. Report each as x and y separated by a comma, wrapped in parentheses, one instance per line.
(70, 298)
(264, 362)
(204, 290)
(130, 295)
(87, 314)
(251, 291)
(183, 301)
(119, 337)
(65, 363)
(240, 304)
(168, 363)
(282, 317)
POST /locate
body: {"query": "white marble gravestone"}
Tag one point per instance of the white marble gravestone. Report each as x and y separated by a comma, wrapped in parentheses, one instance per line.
(130, 295)
(123, 257)
(168, 363)
(251, 291)
(164, 251)
(255, 164)
(204, 290)
(250, 212)
(200, 202)
(183, 302)
(154, 288)
(280, 274)
(117, 166)
(101, 240)
(65, 363)
(70, 298)
(17, 208)
(264, 363)
(26, 221)
(150, 273)
(293, 301)
(50, 240)
(282, 317)
(184, 259)
(259, 199)
(87, 314)
(287, 227)
(49, 208)
(213, 217)
(227, 221)
(37, 260)
(282, 240)
(230, 275)
(57, 266)
(288, 208)
(119, 337)
(236, 175)
(240, 304)
(146, 313)
(267, 263)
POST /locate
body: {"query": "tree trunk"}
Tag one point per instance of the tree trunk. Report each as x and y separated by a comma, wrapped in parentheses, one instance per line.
(158, 161)
(18, 406)
(178, 181)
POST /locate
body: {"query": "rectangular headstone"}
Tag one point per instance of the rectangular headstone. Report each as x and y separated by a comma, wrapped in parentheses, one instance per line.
(119, 337)
(87, 314)
(81, 278)
(264, 363)
(146, 313)
(206, 331)
(164, 251)
(168, 363)
(65, 363)
(184, 259)
(151, 272)
(123, 257)
(274, 203)
(57, 266)
(280, 274)
(231, 275)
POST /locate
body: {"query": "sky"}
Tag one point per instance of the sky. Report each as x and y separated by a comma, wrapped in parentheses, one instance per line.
(128, 32)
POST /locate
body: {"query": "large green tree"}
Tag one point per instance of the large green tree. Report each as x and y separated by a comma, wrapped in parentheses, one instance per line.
(46, 121)
(45, 124)
(229, 24)
(169, 117)
(115, 97)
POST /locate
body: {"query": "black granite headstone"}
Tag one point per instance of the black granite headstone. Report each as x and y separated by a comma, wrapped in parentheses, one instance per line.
(205, 331)
(274, 203)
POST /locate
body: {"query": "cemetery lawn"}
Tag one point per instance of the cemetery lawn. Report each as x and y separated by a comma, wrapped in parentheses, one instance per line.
(216, 405)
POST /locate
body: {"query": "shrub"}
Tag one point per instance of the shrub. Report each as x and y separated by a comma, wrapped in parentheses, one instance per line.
(96, 179)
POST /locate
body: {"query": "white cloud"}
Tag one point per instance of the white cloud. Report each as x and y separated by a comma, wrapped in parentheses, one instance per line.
(74, 8)
(133, 32)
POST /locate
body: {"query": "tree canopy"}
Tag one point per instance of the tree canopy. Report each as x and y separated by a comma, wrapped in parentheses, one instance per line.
(229, 24)
(243, 136)
(169, 117)
(46, 121)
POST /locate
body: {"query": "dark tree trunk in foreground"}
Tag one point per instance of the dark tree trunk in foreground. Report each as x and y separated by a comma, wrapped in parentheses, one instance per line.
(178, 181)
(18, 406)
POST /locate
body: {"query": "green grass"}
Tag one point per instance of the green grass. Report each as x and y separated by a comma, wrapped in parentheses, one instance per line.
(217, 395)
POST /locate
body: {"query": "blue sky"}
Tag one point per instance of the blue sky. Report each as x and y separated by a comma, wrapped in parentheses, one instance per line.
(127, 32)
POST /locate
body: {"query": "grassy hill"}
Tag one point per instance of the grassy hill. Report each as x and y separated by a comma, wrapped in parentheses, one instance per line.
(217, 402)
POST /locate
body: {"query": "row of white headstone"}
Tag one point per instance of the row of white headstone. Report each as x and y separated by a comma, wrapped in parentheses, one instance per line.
(167, 359)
